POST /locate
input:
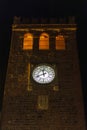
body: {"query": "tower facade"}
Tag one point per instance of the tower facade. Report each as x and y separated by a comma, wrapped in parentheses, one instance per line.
(43, 86)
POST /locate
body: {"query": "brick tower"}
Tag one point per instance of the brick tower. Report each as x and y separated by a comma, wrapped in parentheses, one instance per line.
(43, 86)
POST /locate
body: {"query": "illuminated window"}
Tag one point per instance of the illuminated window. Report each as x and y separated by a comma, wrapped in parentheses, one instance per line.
(44, 41)
(43, 102)
(60, 42)
(28, 41)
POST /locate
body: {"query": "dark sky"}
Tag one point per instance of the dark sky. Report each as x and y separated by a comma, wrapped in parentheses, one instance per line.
(46, 8)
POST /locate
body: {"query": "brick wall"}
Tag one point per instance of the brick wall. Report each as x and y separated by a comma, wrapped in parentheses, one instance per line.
(65, 106)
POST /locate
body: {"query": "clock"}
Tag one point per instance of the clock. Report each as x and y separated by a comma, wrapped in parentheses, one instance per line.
(43, 74)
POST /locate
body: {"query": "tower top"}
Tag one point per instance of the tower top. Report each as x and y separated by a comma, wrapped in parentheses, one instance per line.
(63, 20)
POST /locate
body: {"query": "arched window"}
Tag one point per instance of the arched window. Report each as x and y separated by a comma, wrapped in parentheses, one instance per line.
(28, 41)
(60, 42)
(44, 41)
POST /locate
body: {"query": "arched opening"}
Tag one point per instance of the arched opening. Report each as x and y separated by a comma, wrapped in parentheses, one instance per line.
(28, 41)
(44, 41)
(60, 42)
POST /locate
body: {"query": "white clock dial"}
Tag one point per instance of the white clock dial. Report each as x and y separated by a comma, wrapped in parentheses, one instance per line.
(43, 74)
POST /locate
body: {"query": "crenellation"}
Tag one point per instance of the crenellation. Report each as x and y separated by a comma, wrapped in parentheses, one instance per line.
(62, 20)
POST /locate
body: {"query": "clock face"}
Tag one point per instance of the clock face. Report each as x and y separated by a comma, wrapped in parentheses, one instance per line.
(43, 74)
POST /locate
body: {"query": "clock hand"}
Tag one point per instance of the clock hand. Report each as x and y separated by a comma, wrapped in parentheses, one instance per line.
(44, 73)
(41, 74)
(43, 70)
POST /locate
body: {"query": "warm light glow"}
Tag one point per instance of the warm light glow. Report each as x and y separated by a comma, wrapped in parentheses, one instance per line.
(28, 41)
(44, 41)
(43, 102)
(60, 42)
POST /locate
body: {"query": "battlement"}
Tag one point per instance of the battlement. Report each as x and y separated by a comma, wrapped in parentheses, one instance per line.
(68, 20)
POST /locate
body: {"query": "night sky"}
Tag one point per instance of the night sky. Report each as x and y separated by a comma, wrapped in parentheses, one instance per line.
(45, 9)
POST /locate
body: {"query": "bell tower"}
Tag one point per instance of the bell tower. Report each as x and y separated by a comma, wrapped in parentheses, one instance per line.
(43, 86)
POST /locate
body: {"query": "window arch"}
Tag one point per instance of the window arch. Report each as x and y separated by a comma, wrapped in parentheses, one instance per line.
(60, 42)
(28, 41)
(44, 41)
